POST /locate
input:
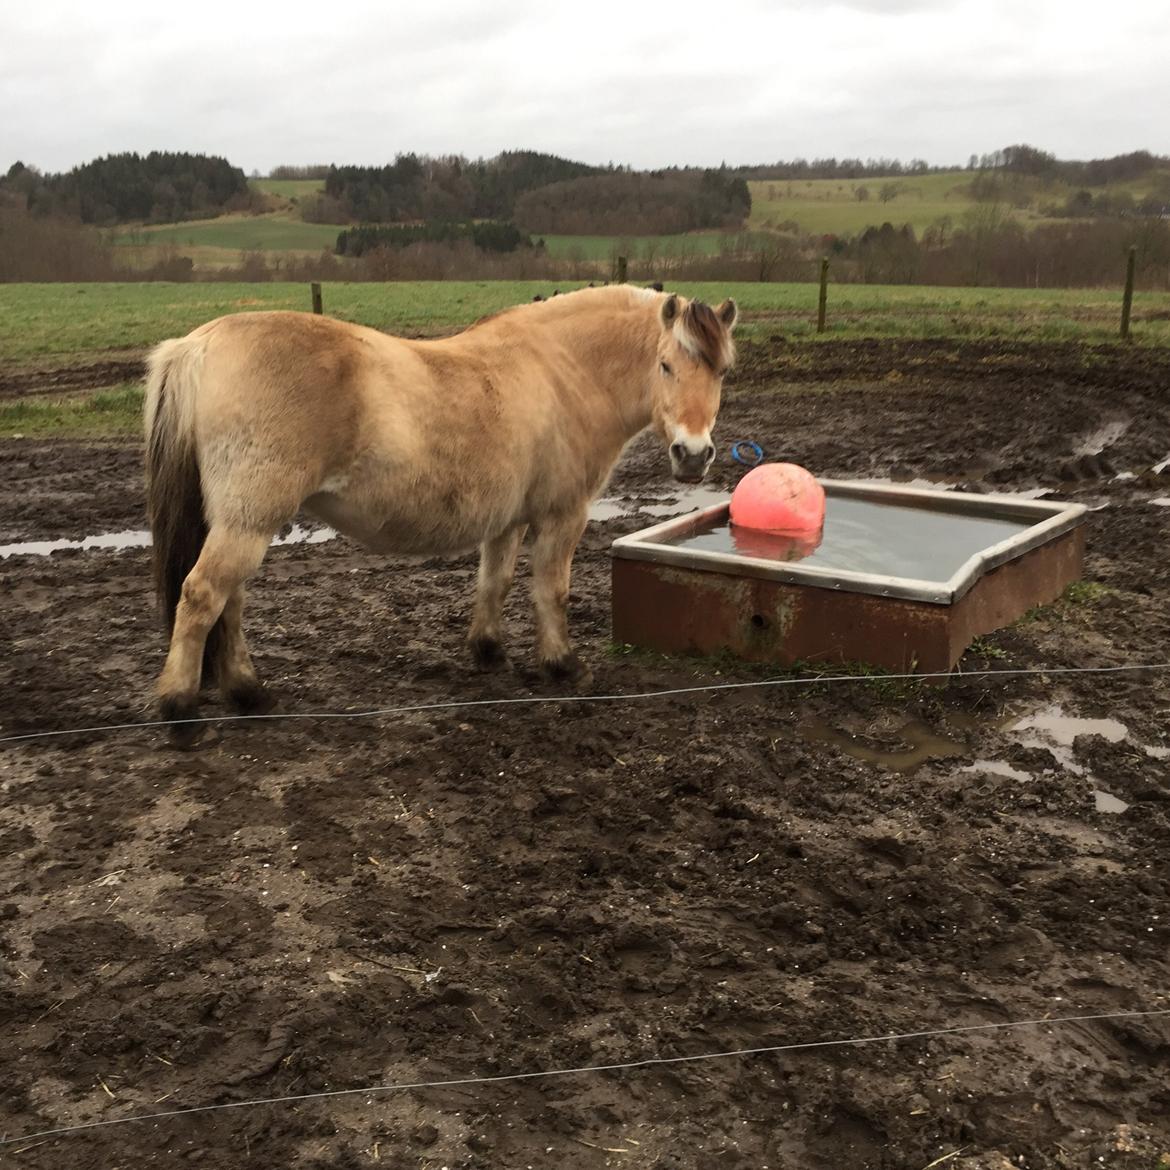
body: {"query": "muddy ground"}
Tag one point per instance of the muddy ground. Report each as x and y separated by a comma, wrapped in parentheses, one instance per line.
(313, 905)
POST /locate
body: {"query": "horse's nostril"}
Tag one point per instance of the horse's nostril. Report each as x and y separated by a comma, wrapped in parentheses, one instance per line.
(710, 452)
(678, 451)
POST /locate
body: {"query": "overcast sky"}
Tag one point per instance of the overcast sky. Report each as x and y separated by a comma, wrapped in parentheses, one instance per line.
(648, 84)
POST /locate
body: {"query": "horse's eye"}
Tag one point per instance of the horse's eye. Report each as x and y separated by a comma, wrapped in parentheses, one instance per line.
(666, 369)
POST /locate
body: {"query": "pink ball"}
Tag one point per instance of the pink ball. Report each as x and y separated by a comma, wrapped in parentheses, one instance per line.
(779, 497)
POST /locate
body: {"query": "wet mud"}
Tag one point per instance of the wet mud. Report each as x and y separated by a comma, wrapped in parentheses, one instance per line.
(308, 905)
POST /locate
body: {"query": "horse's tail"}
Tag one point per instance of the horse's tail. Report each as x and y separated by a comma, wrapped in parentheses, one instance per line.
(174, 490)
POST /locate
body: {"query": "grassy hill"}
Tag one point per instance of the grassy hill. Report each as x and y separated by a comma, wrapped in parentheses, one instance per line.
(832, 206)
(274, 231)
(816, 206)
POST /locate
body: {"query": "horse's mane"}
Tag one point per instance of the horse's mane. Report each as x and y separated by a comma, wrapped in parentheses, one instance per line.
(705, 337)
(619, 293)
(698, 328)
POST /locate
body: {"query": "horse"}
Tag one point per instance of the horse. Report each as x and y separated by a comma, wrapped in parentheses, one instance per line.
(426, 447)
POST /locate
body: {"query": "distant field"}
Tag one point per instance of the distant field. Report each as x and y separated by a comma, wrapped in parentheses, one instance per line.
(269, 233)
(288, 188)
(278, 232)
(55, 324)
(831, 206)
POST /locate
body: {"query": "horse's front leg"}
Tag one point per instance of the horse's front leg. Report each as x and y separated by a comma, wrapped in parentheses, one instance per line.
(552, 558)
(497, 566)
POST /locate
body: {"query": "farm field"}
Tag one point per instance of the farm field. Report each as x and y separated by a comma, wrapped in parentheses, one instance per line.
(831, 206)
(289, 188)
(48, 327)
(815, 206)
(270, 232)
(307, 906)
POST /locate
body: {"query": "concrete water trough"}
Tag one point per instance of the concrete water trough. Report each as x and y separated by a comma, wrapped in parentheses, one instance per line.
(899, 578)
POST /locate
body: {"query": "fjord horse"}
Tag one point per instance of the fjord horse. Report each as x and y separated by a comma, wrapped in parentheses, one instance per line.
(420, 447)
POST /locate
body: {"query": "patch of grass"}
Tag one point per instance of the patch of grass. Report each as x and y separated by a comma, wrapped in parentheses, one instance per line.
(107, 413)
(1086, 592)
(984, 647)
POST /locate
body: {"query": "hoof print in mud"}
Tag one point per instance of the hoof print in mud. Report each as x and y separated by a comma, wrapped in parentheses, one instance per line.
(487, 654)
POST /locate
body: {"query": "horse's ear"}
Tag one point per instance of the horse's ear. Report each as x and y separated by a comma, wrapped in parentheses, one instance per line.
(669, 310)
(728, 314)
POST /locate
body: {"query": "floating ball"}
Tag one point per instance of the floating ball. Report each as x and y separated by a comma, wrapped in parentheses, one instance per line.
(779, 497)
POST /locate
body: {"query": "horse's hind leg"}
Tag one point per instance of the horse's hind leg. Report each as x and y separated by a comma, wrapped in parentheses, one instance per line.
(227, 559)
(497, 566)
(234, 670)
(552, 560)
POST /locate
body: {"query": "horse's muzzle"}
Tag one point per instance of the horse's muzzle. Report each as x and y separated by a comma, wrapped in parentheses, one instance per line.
(688, 466)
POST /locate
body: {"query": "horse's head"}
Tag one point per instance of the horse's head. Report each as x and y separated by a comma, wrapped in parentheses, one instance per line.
(695, 350)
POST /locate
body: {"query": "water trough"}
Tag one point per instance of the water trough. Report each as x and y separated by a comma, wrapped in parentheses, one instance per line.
(901, 578)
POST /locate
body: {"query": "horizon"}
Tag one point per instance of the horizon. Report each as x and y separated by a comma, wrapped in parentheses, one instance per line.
(873, 79)
(809, 158)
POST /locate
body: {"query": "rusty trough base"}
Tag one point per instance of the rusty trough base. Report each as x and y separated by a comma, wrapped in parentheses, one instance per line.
(661, 607)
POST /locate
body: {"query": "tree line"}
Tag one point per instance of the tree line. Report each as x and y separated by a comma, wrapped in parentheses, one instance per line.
(415, 187)
(159, 187)
(488, 235)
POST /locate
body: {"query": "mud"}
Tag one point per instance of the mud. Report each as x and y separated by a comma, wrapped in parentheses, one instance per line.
(67, 379)
(303, 906)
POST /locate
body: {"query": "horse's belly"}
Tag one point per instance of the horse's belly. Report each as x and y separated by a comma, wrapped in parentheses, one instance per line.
(420, 529)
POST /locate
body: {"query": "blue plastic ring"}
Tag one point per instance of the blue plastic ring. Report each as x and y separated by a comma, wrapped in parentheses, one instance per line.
(755, 450)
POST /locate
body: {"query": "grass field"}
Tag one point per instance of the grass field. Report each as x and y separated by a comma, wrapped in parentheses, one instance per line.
(103, 414)
(831, 206)
(288, 188)
(275, 232)
(278, 232)
(64, 323)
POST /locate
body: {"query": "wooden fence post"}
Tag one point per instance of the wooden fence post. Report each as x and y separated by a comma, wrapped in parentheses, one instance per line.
(316, 288)
(622, 268)
(1127, 299)
(821, 304)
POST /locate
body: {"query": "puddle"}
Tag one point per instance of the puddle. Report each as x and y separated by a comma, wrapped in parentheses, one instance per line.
(1063, 729)
(866, 536)
(140, 538)
(42, 548)
(673, 503)
(1104, 436)
(1108, 803)
(925, 744)
(997, 768)
(1161, 501)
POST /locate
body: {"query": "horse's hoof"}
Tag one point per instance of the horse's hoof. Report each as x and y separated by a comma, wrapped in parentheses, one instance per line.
(175, 712)
(250, 698)
(568, 669)
(487, 654)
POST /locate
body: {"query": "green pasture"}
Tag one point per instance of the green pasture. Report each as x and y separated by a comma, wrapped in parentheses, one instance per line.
(104, 414)
(274, 232)
(289, 188)
(67, 323)
(831, 206)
